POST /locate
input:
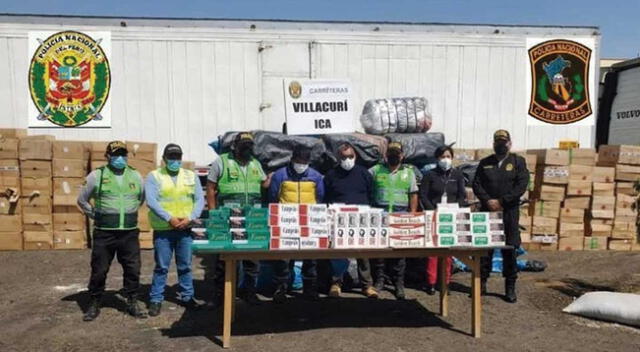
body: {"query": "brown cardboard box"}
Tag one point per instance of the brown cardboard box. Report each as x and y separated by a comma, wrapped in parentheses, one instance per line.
(69, 239)
(462, 156)
(146, 240)
(12, 133)
(10, 205)
(98, 150)
(577, 202)
(35, 168)
(581, 173)
(610, 155)
(544, 225)
(142, 166)
(531, 247)
(548, 247)
(39, 137)
(572, 230)
(71, 150)
(10, 241)
(483, 153)
(598, 230)
(526, 222)
(191, 165)
(620, 244)
(525, 237)
(69, 222)
(96, 165)
(625, 201)
(143, 219)
(69, 168)
(547, 209)
(603, 207)
(9, 168)
(552, 192)
(35, 149)
(37, 222)
(624, 234)
(604, 174)
(595, 243)
(36, 185)
(66, 209)
(574, 216)
(38, 240)
(571, 243)
(142, 151)
(556, 175)
(603, 222)
(11, 223)
(626, 188)
(604, 189)
(579, 188)
(37, 204)
(551, 156)
(66, 190)
(10, 182)
(582, 156)
(629, 173)
(8, 148)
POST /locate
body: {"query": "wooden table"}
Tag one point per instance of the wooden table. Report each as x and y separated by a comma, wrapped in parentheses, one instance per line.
(469, 255)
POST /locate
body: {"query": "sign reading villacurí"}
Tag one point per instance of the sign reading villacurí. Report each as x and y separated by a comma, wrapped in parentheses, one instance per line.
(69, 79)
(560, 82)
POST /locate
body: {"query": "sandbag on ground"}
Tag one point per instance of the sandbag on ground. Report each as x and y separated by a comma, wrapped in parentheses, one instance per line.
(617, 307)
(419, 148)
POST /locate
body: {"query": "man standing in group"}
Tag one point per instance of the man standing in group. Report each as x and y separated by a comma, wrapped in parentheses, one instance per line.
(175, 199)
(395, 189)
(117, 193)
(238, 179)
(301, 184)
(501, 179)
(349, 183)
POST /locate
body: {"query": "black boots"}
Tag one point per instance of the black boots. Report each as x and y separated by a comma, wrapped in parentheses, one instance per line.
(510, 291)
(134, 309)
(280, 295)
(310, 290)
(93, 311)
(154, 309)
(399, 292)
(430, 289)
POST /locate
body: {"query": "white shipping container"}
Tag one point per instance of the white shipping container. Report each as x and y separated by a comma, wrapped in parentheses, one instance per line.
(188, 81)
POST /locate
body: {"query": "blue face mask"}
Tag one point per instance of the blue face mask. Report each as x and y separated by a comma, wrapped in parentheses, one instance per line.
(118, 162)
(174, 165)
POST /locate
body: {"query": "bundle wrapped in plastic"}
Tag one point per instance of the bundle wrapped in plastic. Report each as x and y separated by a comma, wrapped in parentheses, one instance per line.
(418, 148)
(369, 149)
(397, 115)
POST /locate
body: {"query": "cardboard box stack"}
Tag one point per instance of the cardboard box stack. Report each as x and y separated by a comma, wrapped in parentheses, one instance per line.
(300, 226)
(36, 153)
(10, 201)
(143, 156)
(70, 166)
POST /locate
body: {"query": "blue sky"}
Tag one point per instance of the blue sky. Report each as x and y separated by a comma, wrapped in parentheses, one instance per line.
(618, 20)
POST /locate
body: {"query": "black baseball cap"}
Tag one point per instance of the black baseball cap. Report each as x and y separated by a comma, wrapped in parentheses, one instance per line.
(242, 138)
(172, 151)
(117, 147)
(395, 146)
(501, 135)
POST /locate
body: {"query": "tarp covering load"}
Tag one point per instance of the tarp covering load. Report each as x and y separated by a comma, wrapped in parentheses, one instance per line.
(468, 169)
(274, 149)
(419, 148)
(369, 149)
(397, 115)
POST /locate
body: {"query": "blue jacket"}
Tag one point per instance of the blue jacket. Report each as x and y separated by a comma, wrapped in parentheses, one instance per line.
(288, 174)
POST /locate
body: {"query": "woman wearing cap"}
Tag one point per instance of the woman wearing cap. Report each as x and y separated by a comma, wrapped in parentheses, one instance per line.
(444, 184)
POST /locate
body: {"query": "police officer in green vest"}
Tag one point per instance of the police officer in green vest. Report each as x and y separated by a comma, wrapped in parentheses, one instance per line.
(395, 189)
(117, 192)
(236, 180)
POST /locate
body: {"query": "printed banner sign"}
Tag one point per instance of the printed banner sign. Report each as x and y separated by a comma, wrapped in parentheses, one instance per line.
(69, 79)
(561, 81)
(318, 106)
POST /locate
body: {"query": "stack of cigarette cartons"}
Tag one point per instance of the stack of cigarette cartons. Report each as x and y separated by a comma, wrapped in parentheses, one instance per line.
(70, 164)
(407, 230)
(10, 190)
(36, 153)
(487, 229)
(300, 226)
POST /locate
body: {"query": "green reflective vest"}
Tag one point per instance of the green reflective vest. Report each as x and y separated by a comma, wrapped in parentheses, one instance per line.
(117, 203)
(392, 189)
(237, 189)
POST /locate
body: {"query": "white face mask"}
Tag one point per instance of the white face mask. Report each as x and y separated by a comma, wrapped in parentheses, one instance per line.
(348, 163)
(300, 168)
(445, 164)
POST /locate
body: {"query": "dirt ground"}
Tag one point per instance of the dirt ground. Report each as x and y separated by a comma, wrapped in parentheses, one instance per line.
(42, 295)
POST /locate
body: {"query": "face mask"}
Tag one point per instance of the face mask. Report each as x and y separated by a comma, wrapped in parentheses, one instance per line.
(118, 162)
(348, 163)
(174, 165)
(501, 148)
(445, 164)
(393, 159)
(246, 153)
(300, 168)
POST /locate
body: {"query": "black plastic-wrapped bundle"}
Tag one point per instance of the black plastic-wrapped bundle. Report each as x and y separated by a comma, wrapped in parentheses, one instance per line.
(468, 169)
(368, 148)
(419, 148)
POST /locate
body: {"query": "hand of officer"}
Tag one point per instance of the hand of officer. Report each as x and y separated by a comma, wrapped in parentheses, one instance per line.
(175, 223)
(184, 223)
(494, 205)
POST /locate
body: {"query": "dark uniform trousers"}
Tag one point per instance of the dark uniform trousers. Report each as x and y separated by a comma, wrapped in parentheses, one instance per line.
(126, 246)
(511, 219)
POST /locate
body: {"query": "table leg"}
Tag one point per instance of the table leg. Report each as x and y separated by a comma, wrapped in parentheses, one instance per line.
(229, 269)
(476, 301)
(234, 286)
(444, 288)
